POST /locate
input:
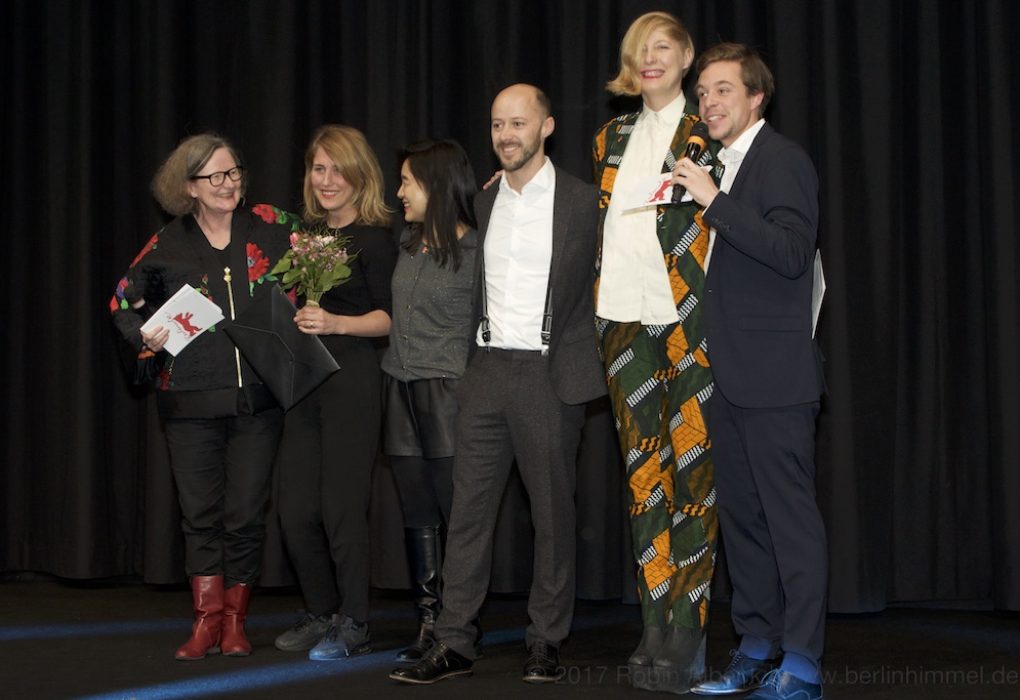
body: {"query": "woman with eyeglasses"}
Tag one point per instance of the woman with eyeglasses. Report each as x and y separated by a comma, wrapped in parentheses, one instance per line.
(331, 437)
(222, 425)
(433, 326)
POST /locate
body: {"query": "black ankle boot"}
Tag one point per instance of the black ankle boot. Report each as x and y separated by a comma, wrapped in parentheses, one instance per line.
(423, 556)
(680, 661)
(639, 664)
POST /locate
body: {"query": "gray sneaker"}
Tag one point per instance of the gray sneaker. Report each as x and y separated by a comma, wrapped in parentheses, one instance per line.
(344, 638)
(305, 634)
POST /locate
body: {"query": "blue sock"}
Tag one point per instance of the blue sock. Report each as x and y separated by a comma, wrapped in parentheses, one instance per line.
(757, 648)
(802, 667)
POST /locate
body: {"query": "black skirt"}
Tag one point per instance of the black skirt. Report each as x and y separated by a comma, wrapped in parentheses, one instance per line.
(420, 417)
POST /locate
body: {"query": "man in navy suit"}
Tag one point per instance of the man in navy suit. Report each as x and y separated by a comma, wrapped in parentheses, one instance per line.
(768, 378)
(523, 396)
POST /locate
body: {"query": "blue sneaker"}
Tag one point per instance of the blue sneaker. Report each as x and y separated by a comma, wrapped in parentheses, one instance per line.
(344, 638)
(780, 685)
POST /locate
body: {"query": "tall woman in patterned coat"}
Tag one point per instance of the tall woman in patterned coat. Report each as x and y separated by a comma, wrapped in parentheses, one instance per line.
(332, 436)
(650, 278)
(222, 425)
(433, 328)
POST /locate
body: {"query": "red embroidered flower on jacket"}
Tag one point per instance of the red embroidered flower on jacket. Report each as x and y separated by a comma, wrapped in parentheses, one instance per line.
(258, 263)
(267, 212)
(148, 246)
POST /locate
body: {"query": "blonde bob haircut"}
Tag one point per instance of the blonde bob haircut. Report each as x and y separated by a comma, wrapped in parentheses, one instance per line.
(347, 147)
(170, 183)
(628, 80)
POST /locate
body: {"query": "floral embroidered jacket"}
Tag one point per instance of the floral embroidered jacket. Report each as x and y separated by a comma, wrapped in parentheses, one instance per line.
(180, 254)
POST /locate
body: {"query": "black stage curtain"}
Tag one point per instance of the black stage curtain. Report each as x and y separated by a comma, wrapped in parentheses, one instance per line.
(906, 107)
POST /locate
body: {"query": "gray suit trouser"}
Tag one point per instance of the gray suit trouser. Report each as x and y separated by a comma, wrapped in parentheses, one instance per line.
(508, 409)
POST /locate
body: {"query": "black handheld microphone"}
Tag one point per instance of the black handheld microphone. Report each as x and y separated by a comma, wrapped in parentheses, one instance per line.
(696, 143)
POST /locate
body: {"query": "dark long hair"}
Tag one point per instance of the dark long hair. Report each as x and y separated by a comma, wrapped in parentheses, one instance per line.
(443, 170)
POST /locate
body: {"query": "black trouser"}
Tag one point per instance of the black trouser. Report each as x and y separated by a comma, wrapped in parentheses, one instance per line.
(325, 473)
(222, 468)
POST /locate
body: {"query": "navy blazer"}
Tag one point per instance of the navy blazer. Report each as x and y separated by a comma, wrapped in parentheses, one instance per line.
(758, 288)
(575, 368)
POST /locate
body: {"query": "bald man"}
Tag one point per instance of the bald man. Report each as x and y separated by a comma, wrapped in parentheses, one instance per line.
(523, 397)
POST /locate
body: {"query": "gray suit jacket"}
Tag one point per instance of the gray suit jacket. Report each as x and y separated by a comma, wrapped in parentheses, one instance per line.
(575, 369)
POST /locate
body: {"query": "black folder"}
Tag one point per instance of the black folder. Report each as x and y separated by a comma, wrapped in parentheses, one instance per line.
(289, 362)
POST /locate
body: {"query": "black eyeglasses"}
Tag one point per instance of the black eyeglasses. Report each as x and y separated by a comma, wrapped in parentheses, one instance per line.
(216, 179)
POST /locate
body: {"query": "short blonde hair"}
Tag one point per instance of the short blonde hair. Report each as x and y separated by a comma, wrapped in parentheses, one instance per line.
(628, 80)
(170, 184)
(347, 147)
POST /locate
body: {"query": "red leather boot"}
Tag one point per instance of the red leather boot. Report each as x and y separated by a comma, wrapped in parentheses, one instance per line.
(207, 598)
(235, 611)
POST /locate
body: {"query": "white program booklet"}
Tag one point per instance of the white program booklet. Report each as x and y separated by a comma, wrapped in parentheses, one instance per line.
(817, 292)
(187, 314)
(653, 191)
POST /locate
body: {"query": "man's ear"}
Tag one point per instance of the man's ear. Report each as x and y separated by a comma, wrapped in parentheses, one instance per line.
(548, 126)
(757, 98)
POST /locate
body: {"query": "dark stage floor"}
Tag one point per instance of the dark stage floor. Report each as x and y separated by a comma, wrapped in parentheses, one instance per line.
(62, 640)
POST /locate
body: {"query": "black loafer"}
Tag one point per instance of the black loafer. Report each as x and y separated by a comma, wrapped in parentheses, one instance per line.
(438, 663)
(742, 674)
(543, 664)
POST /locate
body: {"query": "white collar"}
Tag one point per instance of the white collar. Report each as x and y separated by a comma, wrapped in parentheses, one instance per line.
(543, 180)
(667, 116)
(739, 148)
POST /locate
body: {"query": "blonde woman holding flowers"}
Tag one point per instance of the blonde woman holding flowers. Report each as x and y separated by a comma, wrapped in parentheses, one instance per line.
(330, 438)
(221, 423)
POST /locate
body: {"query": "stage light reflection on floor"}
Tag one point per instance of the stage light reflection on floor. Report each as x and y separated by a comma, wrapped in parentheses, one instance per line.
(278, 674)
(106, 629)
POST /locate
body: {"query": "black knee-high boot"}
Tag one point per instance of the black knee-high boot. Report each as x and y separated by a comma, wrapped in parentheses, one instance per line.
(423, 555)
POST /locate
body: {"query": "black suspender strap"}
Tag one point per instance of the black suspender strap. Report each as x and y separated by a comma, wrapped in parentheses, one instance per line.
(546, 316)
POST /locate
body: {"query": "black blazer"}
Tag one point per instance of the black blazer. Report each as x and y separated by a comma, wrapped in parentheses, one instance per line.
(758, 288)
(574, 365)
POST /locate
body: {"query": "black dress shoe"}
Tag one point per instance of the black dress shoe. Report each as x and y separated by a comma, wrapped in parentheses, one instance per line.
(543, 664)
(438, 663)
(742, 674)
(780, 685)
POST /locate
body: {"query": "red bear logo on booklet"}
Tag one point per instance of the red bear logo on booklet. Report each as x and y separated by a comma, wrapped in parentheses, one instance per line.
(661, 192)
(184, 321)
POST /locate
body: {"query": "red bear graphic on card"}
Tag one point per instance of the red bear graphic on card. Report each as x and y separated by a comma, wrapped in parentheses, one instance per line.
(184, 321)
(661, 192)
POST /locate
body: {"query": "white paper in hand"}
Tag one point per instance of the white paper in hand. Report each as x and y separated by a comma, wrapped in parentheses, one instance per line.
(650, 192)
(187, 314)
(653, 191)
(817, 291)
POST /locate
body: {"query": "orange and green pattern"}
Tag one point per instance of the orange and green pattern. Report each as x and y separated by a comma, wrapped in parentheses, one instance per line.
(659, 379)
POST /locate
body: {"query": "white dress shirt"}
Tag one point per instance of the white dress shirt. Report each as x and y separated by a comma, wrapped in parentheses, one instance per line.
(633, 282)
(518, 252)
(732, 157)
